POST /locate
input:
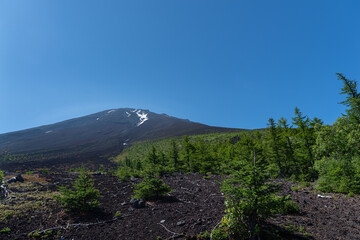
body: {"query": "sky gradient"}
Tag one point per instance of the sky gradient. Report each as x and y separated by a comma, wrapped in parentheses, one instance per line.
(221, 63)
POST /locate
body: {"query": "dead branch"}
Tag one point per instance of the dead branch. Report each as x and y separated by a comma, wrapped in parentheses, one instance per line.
(174, 234)
(74, 225)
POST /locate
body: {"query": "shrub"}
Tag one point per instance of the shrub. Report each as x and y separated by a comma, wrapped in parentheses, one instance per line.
(203, 235)
(250, 199)
(248, 203)
(117, 214)
(1, 176)
(339, 174)
(84, 198)
(5, 230)
(295, 188)
(151, 188)
(219, 234)
(49, 234)
(44, 171)
(123, 173)
(287, 206)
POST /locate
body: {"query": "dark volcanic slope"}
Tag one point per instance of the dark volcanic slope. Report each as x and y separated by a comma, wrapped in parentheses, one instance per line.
(103, 131)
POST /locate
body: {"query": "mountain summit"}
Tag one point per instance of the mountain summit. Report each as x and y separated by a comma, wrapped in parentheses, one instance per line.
(102, 132)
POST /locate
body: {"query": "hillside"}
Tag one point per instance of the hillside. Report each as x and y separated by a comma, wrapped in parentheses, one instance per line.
(102, 133)
(139, 150)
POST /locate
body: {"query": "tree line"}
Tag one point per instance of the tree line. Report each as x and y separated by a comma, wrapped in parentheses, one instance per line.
(301, 149)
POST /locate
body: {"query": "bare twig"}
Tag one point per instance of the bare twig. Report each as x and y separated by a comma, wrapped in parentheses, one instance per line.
(74, 225)
(48, 229)
(183, 201)
(174, 234)
(168, 229)
(216, 195)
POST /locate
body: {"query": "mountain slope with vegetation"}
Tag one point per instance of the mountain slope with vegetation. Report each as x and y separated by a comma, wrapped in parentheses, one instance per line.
(302, 150)
(102, 133)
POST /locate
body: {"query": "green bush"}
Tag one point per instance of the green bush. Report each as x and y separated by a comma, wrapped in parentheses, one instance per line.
(339, 174)
(151, 188)
(203, 235)
(337, 146)
(42, 235)
(5, 230)
(351, 194)
(44, 171)
(84, 198)
(1, 176)
(250, 198)
(287, 206)
(118, 214)
(123, 173)
(247, 204)
(219, 234)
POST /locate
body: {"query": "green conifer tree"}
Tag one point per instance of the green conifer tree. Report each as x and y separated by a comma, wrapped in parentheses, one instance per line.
(305, 135)
(289, 148)
(152, 156)
(1, 176)
(84, 197)
(274, 138)
(174, 155)
(188, 150)
(352, 100)
(249, 198)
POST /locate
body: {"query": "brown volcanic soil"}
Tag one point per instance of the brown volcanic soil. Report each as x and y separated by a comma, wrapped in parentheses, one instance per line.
(196, 205)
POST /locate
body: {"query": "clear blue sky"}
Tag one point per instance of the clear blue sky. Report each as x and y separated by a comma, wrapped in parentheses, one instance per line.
(222, 63)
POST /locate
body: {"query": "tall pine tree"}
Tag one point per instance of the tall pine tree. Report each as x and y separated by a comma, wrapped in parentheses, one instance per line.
(274, 139)
(352, 100)
(289, 146)
(305, 135)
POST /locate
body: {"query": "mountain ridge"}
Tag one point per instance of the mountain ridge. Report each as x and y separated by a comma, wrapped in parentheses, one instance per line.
(100, 133)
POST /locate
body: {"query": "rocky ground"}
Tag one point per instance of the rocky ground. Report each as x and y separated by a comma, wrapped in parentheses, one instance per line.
(196, 205)
(323, 215)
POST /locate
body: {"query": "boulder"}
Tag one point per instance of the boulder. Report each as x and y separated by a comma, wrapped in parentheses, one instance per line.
(137, 203)
(180, 223)
(3, 192)
(97, 173)
(17, 178)
(321, 196)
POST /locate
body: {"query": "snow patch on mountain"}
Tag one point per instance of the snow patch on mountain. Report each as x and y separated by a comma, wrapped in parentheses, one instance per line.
(111, 111)
(128, 114)
(48, 131)
(97, 119)
(142, 117)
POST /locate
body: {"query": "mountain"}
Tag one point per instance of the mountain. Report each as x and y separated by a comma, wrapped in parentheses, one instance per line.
(101, 133)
